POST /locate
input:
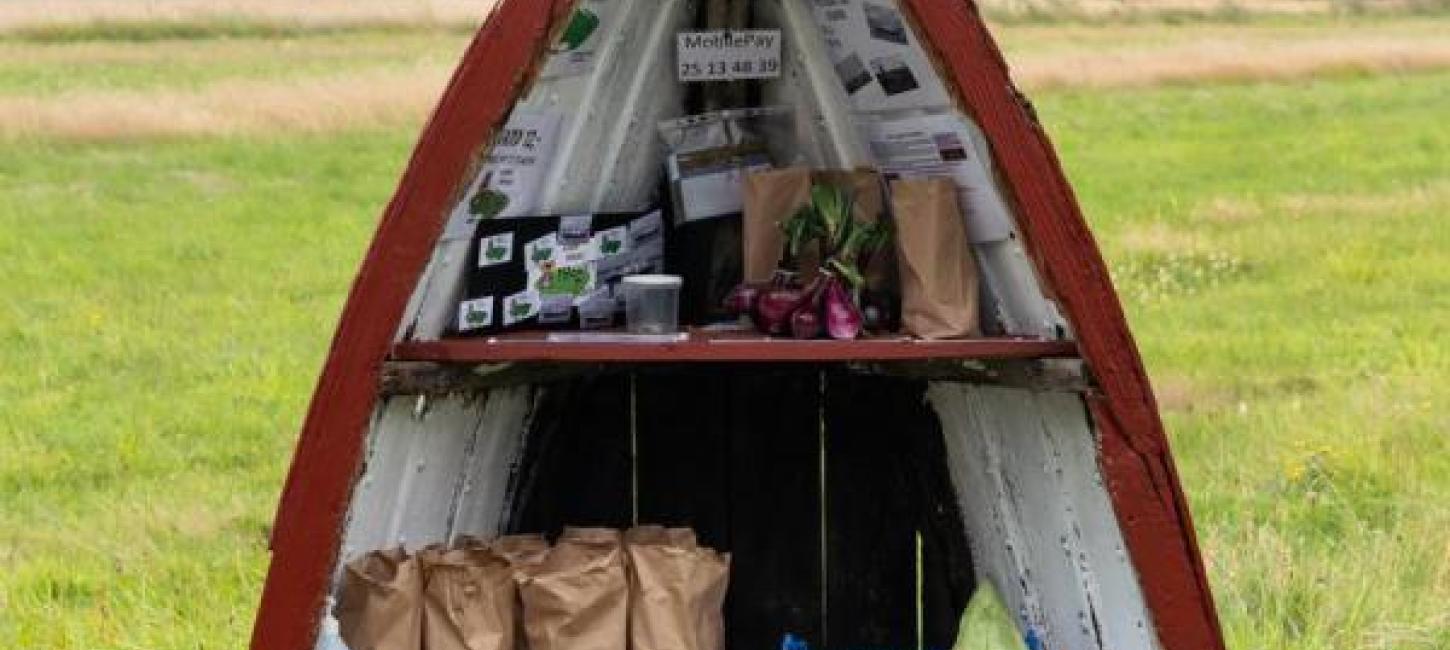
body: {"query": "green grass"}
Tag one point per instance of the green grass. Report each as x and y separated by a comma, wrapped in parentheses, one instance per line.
(54, 68)
(165, 312)
(1281, 249)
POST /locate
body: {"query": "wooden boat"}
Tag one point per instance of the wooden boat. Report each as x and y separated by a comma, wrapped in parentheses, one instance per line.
(865, 488)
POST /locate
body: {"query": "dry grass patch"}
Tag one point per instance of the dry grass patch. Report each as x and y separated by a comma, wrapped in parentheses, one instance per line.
(360, 100)
(1182, 394)
(20, 14)
(1294, 206)
(409, 47)
(1231, 60)
(1159, 238)
(1227, 210)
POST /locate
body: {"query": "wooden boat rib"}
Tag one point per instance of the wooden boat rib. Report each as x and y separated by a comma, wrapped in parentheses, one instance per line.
(862, 507)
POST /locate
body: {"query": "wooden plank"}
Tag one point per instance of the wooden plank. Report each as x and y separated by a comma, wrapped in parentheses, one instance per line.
(947, 570)
(722, 347)
(496, 446)
(1139, 468)
(775, 533)
(887, 482)
(683, 431)
(308, 527)
(871, 522)
(576, 464)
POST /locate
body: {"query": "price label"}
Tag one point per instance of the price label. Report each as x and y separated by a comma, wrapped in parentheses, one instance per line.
(726, 55)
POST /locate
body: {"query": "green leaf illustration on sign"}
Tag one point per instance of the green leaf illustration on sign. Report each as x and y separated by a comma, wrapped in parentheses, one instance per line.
(476, 316)
(566, 280)
(611, 246)
(488, 203)
(495, 252)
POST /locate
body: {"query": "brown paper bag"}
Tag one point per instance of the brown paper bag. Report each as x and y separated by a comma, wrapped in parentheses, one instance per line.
(660, 615)
(380, 606)
(521, 550)
(710, 580)
(937, 269)
(677, 591)
(576, 598)
(469, 600)
(771, 197)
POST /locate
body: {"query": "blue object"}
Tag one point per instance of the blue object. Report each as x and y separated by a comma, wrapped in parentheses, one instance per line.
(793, 642)
(1034, 642)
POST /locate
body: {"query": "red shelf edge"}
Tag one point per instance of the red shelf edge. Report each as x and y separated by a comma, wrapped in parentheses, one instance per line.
(701, 349)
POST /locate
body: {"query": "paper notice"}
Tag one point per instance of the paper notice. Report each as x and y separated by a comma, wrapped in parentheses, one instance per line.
(508, 184)
(724, 55)
(710, 183)
(878, 60)
(942, 145)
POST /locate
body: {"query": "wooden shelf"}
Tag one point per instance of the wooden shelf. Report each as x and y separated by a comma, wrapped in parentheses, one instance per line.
(723, 346)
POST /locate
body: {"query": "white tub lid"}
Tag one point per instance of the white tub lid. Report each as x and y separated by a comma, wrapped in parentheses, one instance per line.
(653, 280)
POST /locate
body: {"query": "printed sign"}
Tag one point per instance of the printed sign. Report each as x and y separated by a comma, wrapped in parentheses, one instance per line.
(726, 55)
(509, 182)
(945, 146)
(877, 58)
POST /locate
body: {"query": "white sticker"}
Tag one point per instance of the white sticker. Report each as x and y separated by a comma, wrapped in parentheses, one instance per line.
(580, 40)
(540, 252)
(574, 229)
(475, 314)
(615, 241)
(498, 249)
(724, 55)
(555, 309)
(519, 307)
(579, 254)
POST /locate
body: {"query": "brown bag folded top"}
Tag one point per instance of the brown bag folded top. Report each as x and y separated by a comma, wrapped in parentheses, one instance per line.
(937, 270)
(576, 598)
(380, 605)
(521, 550)
(677, 591)
(469, 600)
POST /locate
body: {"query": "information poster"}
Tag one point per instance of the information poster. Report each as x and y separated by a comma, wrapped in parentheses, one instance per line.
(876, 57)
(942, 145)
(581, 41)
(509, 183)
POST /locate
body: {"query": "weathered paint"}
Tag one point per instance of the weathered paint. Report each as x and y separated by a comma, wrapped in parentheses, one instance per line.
(1143, 482)
(307, 531)
(1140, 478)
(1037, 515)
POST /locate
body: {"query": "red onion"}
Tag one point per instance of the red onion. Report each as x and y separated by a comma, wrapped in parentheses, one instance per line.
(805, 323)
(843, 319)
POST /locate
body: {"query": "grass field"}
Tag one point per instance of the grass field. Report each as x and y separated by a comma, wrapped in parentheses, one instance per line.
(1280, 236)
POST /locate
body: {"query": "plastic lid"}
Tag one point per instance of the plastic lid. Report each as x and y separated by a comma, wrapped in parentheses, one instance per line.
(653, 280)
